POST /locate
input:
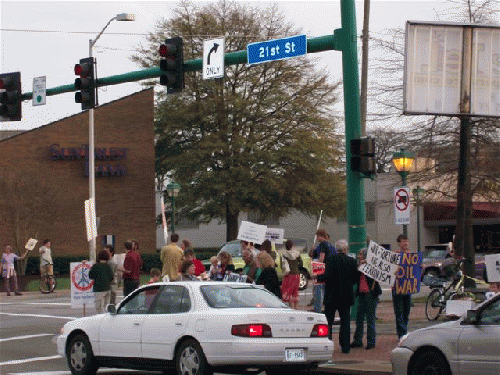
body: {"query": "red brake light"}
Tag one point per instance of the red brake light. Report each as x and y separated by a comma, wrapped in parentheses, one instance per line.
(320, 330)
(251, 330)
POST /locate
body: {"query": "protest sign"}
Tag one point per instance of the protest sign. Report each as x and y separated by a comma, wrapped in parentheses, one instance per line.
(236, 278)
(252, 232)
(275, 235)
(381, 264)
(409, 274)
(82, 286)
(492, 263)
(318, 268)
(30, 245)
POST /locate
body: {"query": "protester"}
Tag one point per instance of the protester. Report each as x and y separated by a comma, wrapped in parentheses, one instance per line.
(368, 291)
(46, 263)
(117, 273)
(199, 268)
(267, 246)
(102, 274)
(268, 277)
(320, 253)
(291, 281)
(402, 302)
(132, 267)
(155, 274)
(226, 264)
(340, 277)
(171, 257)
(251, 269)
(9, 271)
(215, 271)
(187, 271)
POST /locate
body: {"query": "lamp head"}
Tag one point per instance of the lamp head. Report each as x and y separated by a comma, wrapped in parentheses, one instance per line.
(403, 160)
(125, 17)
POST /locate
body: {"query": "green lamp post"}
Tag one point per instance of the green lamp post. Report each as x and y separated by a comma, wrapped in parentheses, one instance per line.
(403, 161)
(173, 189)
(418, 194)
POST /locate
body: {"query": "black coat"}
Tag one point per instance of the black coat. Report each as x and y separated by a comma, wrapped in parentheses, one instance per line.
(341, 274)
(269, 278)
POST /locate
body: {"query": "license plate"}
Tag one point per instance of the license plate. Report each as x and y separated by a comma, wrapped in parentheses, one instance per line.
(295, 355)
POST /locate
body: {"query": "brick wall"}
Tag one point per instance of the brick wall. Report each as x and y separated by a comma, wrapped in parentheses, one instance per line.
(44, 198)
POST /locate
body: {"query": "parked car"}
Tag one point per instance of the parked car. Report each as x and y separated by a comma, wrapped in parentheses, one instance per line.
(436, 264)
(468, 346)
(198, 327)
(234, 249)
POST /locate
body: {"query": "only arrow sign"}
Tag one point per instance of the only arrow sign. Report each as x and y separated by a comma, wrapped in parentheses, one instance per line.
(212, 50)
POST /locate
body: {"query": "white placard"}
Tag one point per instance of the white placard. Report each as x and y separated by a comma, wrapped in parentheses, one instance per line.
(90, 219)
(39, 91)
(275, 235)
(492, 263)
(213, 58)
(30, 245)
(82, 286)
(252, 232)
(402, 205)
(381, 264)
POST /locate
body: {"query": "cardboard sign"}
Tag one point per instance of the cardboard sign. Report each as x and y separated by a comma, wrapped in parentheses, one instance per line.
(381, 264)
(492, 263)
(318, 268)
(275, 235)
(252, 232)
(30, 245)
(82, 286)
(409, 274)
(236, 278)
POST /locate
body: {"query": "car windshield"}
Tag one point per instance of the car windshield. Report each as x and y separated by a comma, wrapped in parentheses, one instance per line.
(239, 296)
(233, 248)
(435, 254)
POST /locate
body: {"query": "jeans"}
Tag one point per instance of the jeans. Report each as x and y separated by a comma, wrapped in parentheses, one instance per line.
(318, 296)
(402, 305)
(367, 305)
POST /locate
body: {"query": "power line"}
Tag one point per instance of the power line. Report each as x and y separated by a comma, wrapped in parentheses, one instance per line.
(67, 32)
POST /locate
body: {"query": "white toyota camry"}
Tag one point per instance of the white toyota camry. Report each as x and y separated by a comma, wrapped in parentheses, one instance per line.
(468, 346)
(197, 328)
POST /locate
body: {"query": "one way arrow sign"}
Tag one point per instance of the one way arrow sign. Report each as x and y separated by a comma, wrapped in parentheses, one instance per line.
(213, 58)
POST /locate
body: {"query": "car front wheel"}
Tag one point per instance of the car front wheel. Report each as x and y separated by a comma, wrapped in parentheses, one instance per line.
(304, 280)
(80, 356)
(430, 363)
(190, 360)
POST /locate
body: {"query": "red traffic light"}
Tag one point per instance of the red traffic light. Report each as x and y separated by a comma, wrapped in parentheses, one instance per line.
(83, 69)
(168, 49)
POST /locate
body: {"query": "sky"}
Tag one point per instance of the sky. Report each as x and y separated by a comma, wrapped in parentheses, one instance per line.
(47, 38)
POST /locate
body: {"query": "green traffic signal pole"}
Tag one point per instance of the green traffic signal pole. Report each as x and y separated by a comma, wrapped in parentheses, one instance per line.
(344, 40)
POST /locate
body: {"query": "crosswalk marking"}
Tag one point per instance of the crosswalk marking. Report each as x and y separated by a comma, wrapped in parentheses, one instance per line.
(26, 337)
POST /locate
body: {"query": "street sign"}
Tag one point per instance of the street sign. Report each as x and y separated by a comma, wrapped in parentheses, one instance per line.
(276, 49)
(213, 58)
(39, 91)
(402, 205)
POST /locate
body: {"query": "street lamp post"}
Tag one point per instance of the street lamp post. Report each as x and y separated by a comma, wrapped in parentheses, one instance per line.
(418, 194)
(403, 161)
(92, 42)
(173, 190)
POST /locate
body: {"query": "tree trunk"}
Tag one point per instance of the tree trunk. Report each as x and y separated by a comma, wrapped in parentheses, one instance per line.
(231, 224)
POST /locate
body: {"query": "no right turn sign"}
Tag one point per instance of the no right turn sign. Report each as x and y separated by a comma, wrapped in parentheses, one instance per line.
(402, 205)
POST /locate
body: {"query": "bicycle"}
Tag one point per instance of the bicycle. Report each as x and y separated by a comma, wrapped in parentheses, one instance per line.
(447, 291)
(47, 283)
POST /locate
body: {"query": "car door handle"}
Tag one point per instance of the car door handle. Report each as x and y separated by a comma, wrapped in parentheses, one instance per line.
(178, 324)
(137, 324)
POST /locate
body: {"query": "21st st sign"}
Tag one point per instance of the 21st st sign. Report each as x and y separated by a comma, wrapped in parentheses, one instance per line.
(276, 49)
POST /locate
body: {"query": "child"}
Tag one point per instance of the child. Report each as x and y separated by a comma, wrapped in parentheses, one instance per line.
(155, 274)
(214, 273)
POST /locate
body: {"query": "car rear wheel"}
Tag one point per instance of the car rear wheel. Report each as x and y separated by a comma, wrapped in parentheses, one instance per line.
(304, 280)
(430, 363)
(190, 360)
(80, 357)
(433, 305)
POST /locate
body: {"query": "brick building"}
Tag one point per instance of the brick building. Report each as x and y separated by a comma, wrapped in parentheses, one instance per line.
(44, 179)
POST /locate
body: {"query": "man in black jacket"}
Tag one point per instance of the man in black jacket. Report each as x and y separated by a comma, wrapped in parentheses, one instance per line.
(340, 277)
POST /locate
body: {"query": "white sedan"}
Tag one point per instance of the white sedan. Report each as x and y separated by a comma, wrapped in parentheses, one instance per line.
(197, 327)
(468, 346)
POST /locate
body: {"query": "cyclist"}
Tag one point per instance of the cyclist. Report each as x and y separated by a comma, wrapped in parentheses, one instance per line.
(46, 263)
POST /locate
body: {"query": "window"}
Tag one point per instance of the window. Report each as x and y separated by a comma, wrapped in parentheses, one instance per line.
(172, 299)
(139, 303)
(185, 223)
(491, 314)
(227, 296)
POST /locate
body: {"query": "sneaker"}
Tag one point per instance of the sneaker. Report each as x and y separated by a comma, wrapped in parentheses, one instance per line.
(370, 346)
(356, 345)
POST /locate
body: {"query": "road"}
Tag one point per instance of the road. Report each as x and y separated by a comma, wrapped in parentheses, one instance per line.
(29, 325)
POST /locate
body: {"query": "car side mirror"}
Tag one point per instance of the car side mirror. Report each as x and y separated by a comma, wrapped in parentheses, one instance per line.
(471, 317)
(111, 309)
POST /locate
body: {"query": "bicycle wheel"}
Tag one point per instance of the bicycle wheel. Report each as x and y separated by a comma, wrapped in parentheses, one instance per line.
(434, 304)
(47, 284)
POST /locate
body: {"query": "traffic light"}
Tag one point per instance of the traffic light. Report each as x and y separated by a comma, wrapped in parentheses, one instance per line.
(10, 97)
(86, 83)
(172, 63)
(363, 156)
